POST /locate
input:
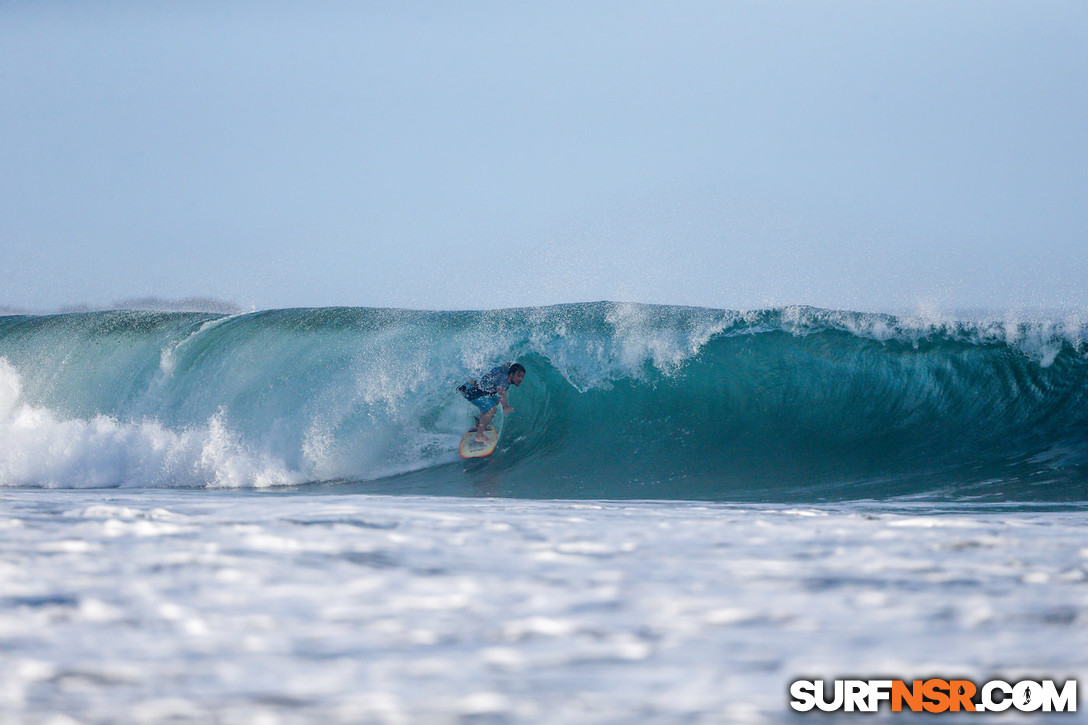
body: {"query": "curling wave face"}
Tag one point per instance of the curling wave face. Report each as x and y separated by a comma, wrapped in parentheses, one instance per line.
(620, 401)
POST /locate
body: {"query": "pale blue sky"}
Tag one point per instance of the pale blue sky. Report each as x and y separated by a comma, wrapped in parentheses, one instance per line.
(865, 155)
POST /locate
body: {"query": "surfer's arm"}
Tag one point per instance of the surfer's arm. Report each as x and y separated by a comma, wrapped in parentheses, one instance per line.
(502, 397)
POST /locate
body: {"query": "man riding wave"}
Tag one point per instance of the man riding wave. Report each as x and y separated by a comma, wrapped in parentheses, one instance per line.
(489, 391)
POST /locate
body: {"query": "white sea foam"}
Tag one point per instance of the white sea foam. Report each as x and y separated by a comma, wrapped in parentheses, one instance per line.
(633, 340)
(43, 449)
(1039, 337)
(260, 608)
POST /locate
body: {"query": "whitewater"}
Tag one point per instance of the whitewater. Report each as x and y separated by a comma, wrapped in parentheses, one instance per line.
(262, 517)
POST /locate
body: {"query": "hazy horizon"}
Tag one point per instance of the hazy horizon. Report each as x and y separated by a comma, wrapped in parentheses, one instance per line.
(876, 157)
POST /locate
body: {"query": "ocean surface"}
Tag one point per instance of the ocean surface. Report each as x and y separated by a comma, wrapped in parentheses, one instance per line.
(263, 518)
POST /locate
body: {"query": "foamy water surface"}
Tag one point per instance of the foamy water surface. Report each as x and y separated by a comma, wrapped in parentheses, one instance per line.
(241, 607)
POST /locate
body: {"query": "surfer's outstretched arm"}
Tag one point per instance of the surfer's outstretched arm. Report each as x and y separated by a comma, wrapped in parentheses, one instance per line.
(502, 398)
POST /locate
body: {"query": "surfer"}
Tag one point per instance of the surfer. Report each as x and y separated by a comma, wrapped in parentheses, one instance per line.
(489, 391)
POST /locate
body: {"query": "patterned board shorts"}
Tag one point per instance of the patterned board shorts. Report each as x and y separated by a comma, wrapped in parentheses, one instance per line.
(478, 398)
(485, 403)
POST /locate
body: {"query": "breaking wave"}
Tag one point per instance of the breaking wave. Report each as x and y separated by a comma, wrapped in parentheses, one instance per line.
(620, 401)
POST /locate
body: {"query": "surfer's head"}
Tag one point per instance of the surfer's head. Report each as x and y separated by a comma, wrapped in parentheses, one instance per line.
(516, 374)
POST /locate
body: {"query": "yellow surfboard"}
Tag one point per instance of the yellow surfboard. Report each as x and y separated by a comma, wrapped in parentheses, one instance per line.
(471, 448)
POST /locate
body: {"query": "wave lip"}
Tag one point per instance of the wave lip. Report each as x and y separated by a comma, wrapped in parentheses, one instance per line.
(621, 401)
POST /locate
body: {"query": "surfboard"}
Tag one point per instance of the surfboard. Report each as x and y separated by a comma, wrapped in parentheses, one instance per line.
(471, 448)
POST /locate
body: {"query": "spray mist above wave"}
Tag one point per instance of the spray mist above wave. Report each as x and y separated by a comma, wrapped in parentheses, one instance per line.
(621, 400)
(140, 304)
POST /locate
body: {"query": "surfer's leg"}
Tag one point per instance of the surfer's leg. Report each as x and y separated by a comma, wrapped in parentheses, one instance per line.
(483, 421)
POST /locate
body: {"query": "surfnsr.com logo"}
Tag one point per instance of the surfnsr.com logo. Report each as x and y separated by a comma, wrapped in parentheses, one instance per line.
(934, 695)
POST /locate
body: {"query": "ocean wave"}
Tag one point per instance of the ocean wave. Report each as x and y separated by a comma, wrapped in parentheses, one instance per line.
(621, 401)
